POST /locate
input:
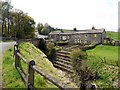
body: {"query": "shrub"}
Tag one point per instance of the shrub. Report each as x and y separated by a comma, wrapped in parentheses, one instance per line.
(50, 46)
(109, 43)
(105, 42)
(51, 51)
(78, 54)
(113, 43)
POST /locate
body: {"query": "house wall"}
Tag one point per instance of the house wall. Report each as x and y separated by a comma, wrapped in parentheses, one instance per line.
(96, 38)
(103, 36)
(86, 38)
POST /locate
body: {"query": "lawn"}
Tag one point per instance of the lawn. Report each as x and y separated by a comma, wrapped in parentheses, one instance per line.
(104, 60)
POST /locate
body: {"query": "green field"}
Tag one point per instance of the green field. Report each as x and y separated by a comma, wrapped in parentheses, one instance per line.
(109, 53)
(113, 35)
(104, 60)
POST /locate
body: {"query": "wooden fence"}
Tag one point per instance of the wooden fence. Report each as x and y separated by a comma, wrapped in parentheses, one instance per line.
(31, 69)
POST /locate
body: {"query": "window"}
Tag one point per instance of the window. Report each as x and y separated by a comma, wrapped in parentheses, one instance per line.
(68, 37)
(95, 35)
(77, 40)
(85, 41)
(80, 41)
(86, 36)
(64, 38)
(89, 35)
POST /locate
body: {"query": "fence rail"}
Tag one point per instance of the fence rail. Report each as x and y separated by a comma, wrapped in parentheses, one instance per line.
(31, 69)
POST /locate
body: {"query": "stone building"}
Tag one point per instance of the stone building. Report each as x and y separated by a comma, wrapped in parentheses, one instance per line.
(79, 36)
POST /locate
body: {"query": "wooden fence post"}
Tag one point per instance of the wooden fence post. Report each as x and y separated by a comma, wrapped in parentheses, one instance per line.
(16, 57)
(30, 75)
(15, 46)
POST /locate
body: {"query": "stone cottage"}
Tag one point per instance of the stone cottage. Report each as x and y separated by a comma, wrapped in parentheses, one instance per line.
(79, 36)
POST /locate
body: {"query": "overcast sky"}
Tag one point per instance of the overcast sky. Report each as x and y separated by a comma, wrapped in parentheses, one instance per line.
(68, 14)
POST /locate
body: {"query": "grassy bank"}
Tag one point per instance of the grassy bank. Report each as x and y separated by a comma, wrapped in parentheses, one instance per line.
(11, 77)
(104, 59)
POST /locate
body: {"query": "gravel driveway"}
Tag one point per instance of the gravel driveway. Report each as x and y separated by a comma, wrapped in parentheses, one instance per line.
(3, 46)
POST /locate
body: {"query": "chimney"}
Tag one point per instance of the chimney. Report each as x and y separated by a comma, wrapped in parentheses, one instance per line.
(93, 28)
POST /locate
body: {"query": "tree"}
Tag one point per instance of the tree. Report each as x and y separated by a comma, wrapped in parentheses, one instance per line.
(0, 18)
(46, 30)
(29, 27)
(40, 27)
(24, 25)
(5, 9)
(15, 23)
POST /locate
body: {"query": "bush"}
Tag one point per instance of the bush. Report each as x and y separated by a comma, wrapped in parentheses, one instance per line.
(105, 42)
(113, 43)
(109, 42)
(50, 46)
(78, 54)
(51, 51)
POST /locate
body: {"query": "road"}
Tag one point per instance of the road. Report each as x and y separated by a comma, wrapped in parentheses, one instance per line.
(3, 46)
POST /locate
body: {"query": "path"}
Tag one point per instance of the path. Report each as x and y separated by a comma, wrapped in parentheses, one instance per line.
(3, 46)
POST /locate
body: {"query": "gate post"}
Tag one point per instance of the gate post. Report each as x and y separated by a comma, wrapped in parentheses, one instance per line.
(30, 75)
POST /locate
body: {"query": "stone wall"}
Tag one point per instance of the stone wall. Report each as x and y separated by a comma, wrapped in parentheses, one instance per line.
(34, 41)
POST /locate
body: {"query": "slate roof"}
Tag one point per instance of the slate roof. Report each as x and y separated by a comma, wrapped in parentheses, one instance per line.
(79, 31)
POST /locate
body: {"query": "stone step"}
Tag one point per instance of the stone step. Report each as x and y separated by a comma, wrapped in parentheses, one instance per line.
(63, 68)
(63, 61)
(64, 52)
(72, 47)
(62, 55)
(63, 58)
(63, 64)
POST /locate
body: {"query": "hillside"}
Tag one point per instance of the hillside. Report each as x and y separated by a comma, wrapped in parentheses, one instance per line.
(104, 60)
(113, 35)
(11, 77)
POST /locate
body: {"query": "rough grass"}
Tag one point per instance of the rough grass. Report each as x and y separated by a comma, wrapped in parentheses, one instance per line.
(104, 59)
(11, 77)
